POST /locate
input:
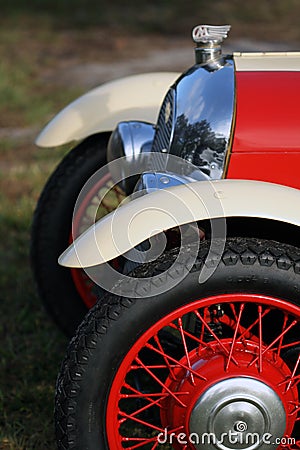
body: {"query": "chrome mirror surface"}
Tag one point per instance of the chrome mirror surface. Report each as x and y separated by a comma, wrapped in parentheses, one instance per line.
(196, 118)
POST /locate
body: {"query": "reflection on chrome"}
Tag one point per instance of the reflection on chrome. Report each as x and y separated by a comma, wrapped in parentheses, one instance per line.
(205, 105)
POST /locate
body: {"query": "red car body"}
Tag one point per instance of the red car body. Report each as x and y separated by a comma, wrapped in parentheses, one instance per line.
(266, 143)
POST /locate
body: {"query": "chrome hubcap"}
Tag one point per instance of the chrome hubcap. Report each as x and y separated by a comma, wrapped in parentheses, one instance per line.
(237, 413)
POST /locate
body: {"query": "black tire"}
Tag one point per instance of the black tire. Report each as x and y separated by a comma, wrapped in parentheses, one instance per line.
(51, 230)
(111, 329)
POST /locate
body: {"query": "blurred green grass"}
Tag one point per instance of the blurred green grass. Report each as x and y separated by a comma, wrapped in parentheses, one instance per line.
(31, 347)
(34, 37)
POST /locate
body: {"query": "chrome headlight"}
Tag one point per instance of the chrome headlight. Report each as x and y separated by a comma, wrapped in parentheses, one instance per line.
(129, 139)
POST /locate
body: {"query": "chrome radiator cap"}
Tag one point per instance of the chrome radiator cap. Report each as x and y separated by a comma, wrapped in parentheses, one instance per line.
(208, 40)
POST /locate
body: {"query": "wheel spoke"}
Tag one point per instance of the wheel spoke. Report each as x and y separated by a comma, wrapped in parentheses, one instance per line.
(138, 394)
(146, 442)
(236, 317)
(215, 336)
(178, 363)
(156, 366)
(201, 342)
(260, 338)
(242, 306)
(160, 382)
(285, 320)
(155, 445)
(142, 422)
(139, 411)
(245, 332)
(296, 408)
(156, 338)
(141, 442)
(185, 349)
(293, 377)
(206, 315)
(291, 344)
(275, 340)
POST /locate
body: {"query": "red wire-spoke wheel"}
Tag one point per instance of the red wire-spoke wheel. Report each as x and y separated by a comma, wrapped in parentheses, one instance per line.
(214, 365)
(227, 379)
(103, 198)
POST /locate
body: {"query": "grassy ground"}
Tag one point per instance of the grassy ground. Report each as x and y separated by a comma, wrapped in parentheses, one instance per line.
(31, 347)
(33, 41)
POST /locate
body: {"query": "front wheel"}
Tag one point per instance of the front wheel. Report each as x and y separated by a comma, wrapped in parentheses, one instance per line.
(213, 365)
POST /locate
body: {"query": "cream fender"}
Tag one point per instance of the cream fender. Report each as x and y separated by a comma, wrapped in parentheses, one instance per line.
(137, 97)
(136, 221)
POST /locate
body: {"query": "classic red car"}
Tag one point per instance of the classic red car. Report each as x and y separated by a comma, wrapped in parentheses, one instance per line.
(199, 345)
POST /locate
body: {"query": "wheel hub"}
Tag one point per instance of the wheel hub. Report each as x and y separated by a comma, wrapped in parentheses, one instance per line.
(234, 408)
(237, 413)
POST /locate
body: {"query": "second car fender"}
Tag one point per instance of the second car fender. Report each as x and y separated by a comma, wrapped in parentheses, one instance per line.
(146, 216)
(137, 97)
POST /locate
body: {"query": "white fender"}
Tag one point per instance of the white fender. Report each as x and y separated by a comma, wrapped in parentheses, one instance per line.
(137, 97)
(136, 221)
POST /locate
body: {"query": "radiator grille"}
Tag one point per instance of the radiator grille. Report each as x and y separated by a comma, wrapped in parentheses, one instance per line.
(164, 125)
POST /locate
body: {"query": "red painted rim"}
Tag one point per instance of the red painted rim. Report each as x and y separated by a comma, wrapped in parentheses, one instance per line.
(156, 387)
(81, 221)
